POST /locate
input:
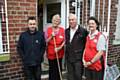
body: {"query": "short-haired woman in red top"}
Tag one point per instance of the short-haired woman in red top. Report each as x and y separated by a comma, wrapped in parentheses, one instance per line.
(94, 54)
(55, 32)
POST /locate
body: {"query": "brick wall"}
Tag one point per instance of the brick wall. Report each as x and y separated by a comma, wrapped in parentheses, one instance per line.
(114, 50)
(18, 11)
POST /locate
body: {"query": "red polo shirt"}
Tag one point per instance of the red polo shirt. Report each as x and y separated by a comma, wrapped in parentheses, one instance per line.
(59, 37)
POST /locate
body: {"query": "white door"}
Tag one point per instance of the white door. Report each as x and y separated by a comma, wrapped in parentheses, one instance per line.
(52, 7)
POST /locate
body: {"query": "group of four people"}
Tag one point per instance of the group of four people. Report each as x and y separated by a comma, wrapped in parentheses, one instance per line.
(84, 51)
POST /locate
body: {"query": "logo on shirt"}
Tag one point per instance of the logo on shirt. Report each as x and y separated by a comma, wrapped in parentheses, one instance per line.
(36, 41)
(60, 36)
(95, 40)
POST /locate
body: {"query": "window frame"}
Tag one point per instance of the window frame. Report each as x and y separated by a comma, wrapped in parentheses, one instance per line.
(5, 47)
(117, 32)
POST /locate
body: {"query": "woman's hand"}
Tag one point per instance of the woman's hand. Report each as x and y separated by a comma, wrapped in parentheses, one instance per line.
(57, 49)
(53, 34)
(86, 64)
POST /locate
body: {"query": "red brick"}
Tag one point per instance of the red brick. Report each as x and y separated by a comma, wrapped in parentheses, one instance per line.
(17, 16)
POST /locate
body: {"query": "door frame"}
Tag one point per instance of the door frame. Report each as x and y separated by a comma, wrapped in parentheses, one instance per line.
(64, 12)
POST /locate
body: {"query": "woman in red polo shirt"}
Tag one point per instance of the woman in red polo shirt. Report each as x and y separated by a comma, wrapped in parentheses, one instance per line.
(94, 54)
(55, 32)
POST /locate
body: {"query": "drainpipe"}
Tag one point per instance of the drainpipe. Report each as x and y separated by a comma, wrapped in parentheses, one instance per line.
(108, 30)
(109, 12)
(92, 8)
(102, 29)
(66, 13)
(98, 10)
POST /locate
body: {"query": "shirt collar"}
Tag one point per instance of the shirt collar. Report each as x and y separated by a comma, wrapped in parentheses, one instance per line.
(74, 28)
(33, 32)
(93, 34)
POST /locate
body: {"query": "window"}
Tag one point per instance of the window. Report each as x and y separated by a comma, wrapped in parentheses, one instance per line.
(4, 37)
(117, 32)
(53, 9)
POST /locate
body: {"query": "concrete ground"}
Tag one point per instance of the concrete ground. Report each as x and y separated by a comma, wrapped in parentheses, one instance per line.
(45, 76)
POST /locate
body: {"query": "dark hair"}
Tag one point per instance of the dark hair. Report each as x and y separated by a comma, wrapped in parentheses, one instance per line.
(96, 21)
(31, 18)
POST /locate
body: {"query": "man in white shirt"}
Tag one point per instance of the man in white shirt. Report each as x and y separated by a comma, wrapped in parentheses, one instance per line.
(75, 44)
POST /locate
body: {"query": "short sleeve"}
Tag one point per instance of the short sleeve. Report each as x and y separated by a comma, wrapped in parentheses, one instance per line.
(101, 45)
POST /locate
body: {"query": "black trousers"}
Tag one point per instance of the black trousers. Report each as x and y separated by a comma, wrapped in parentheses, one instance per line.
(94, 75)
(75, 71)
(32, 72)
(53, 69)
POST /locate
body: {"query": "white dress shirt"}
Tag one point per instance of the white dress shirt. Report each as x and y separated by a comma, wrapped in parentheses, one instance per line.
(72, 32)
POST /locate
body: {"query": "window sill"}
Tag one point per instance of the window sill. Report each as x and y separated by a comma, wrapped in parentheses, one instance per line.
(4, 57)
